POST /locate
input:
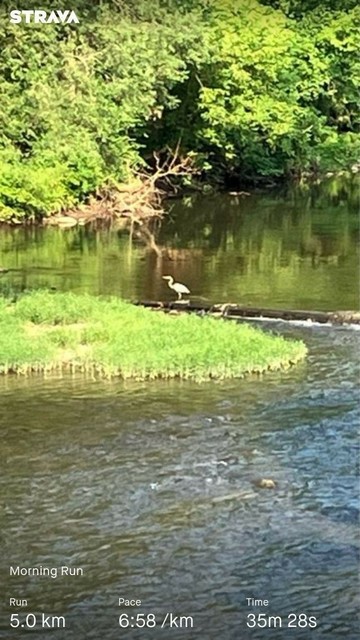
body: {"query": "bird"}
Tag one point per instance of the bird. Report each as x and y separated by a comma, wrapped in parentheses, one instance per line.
(176, 286)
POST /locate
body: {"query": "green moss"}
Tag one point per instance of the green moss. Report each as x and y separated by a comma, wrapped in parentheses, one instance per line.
(109, 337)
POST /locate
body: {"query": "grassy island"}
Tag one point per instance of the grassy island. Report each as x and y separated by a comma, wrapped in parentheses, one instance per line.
(48, 332)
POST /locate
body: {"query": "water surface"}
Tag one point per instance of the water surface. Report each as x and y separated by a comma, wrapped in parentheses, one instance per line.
(298, 248)
(153, 488)
(121, 480)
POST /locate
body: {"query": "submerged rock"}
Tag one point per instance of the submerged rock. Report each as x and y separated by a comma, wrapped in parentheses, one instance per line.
(266, 483)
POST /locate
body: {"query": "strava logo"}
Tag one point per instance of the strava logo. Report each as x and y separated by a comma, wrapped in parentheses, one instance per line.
(43, 17)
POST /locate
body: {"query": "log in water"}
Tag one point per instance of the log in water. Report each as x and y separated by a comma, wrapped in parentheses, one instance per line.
(236, 311)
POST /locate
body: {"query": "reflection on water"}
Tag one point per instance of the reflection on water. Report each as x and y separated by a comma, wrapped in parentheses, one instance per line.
(128, 480)
(297, 248)
(152, 488)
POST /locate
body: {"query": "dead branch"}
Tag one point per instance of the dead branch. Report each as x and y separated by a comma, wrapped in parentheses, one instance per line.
(142, 198)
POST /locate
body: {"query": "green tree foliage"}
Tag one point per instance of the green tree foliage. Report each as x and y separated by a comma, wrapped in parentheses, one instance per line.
(280, 95)
(75, 101)
(297, 8)
(247, 88)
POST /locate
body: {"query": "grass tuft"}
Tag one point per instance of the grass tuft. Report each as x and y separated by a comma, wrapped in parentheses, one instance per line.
(45, 331)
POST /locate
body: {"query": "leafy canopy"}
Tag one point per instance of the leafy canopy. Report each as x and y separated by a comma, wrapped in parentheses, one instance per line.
(249, 89)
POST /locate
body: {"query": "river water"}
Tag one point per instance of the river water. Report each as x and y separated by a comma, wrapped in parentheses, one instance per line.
(152, 489)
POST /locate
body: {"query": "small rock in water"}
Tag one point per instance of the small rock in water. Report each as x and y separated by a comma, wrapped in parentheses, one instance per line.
(231, 459)
(266, 483)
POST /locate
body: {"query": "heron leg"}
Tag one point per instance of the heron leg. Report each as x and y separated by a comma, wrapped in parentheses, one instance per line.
(179, 295)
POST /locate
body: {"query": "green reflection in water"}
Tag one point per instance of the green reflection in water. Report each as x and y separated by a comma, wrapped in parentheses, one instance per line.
(293, 248)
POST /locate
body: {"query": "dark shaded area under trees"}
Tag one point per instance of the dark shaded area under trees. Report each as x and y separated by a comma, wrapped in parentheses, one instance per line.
(247, 89)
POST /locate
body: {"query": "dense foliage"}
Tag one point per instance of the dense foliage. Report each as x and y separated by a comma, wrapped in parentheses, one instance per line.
(249, 88)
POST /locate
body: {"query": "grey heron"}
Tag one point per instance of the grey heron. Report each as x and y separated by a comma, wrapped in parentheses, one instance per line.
(176, 286)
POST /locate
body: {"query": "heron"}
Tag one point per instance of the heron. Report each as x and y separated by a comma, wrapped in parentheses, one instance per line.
(176, 286)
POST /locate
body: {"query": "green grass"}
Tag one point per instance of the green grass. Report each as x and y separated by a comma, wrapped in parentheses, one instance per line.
(45, 331)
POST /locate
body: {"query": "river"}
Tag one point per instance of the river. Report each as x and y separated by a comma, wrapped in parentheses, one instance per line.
(152, 489)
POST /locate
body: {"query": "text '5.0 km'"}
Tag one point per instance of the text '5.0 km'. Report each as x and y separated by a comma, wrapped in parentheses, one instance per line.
(36, 15)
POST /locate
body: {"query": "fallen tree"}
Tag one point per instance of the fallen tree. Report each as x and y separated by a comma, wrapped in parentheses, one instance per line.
(139, 200)
(234, 311)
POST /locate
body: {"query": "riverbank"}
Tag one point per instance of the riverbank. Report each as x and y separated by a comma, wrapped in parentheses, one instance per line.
(46, 332)
(258, 93)
(146, 198)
